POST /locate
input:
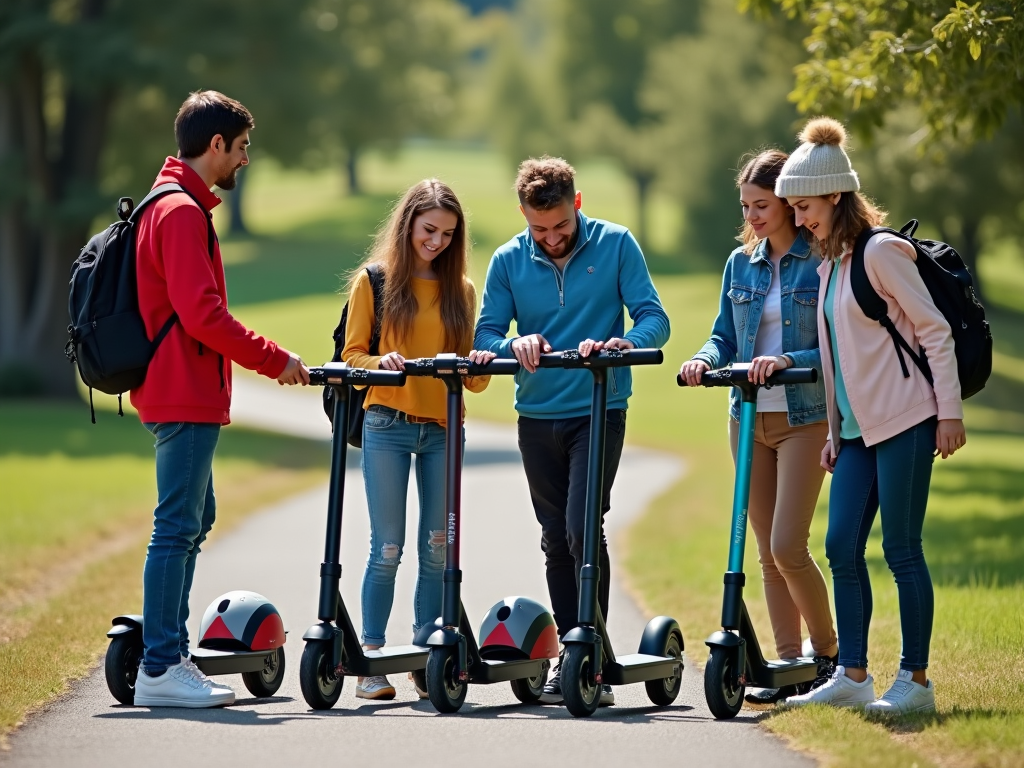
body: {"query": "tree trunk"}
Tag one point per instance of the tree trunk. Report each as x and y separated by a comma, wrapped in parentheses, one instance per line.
(643, 188)
(969, 247)
(238, 227)
(351, 168)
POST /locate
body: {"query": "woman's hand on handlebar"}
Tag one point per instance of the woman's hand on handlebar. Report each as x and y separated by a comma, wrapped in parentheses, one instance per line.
(589, 345)
(763, 367)
(692, 370)
(481, 357)
(392, 361)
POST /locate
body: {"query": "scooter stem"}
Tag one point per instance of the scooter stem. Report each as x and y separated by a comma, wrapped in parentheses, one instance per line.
(590, 572)
(734, 577)
(330, 569)
(451, 601)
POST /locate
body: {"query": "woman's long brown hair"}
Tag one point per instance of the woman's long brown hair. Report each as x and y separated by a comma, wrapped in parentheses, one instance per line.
(852, 215)
(392, 252)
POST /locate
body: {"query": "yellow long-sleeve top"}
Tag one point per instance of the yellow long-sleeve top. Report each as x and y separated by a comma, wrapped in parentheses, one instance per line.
(421, 396)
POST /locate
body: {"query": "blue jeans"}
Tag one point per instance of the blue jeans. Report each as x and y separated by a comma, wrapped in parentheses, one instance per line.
(389, 443)
(184, 515)
(895, 475)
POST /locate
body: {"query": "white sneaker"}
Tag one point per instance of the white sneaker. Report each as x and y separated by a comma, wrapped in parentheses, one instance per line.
(182, 685)
(376, 687)
(839, 691)
(905, 696)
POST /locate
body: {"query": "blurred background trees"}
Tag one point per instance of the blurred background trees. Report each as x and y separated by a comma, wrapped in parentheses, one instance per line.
(671, 92)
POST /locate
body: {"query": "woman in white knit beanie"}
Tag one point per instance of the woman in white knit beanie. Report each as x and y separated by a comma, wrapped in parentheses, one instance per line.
(885, 421)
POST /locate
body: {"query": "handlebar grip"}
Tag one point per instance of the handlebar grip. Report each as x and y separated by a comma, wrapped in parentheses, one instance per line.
(613, 358)
(340, 373)
(496, 367)
(737, 374)
(794, 376)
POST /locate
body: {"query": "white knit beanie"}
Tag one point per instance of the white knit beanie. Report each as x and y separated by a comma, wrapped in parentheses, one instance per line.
(819, 166)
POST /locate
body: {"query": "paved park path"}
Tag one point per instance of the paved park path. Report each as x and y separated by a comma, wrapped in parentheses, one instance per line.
(278, 551)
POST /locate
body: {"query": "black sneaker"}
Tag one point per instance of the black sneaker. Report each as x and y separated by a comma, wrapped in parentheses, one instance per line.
(771, 695)
(826, 667)
(553, 687)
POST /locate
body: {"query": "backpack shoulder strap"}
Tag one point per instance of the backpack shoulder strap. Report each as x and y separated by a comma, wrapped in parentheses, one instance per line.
(376, 275)
(874, 306)
(168, 188)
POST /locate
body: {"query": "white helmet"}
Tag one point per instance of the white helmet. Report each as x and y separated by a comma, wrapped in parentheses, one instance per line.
(241, 620)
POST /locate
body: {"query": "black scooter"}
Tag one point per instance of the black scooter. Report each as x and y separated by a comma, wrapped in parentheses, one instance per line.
(333, 650)
(736, 659)
(455, 659)
(589, 659)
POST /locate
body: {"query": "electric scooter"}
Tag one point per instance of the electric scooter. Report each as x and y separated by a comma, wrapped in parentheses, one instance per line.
(590, 661)
(736, 659)
(455, 659)
(333, 649)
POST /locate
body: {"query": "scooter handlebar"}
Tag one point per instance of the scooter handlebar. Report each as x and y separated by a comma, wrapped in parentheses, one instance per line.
(606, 358)
(447, 365)
(737, 374)
(340, 373)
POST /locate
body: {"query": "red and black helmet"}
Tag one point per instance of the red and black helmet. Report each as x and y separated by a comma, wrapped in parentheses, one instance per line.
(241, 620)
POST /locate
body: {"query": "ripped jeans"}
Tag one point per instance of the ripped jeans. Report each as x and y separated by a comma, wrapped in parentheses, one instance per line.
(389, 443)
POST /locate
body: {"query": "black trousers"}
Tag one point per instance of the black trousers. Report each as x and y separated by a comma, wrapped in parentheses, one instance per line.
(555, 458)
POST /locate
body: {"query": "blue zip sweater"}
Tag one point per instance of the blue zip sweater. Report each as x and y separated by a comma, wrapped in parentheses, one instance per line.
(605, 273)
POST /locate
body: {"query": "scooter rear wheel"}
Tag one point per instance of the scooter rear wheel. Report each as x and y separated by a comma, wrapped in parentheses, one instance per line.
(320, 683)
(265, 682)
(664, 691)
(121, 665)
(529, 689)
(580, 691)
(446, 693)
(722, 688)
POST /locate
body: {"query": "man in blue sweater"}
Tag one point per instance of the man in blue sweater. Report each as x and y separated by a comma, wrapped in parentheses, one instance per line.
(565, 282)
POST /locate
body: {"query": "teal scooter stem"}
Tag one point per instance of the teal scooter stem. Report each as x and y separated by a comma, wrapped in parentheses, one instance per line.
(736, 659)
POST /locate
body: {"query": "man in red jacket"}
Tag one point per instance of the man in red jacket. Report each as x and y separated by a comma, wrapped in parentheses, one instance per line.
(186, 396)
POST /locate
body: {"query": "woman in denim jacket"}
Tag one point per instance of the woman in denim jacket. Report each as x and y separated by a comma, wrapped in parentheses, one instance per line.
(768, 317)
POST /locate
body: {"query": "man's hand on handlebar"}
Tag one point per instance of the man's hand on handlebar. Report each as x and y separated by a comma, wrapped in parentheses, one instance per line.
(480, 357)
(692, 370)
(392, 361)
(295, 372)
(589, 345)
(763, 367)
(528, 350)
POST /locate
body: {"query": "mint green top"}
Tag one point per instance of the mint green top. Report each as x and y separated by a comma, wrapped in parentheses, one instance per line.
(849, 429)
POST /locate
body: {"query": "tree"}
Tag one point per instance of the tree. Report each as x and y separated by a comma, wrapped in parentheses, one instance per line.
(88, 91)
(724, 106)
(604, 58)
(388, 73)
(961, 66)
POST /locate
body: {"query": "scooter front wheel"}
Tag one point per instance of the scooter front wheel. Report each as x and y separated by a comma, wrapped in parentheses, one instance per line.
(664, 691)
(265, 682)
(580, 690)
(446, 692)
(121, 665)
(320, 683)
(722, 687)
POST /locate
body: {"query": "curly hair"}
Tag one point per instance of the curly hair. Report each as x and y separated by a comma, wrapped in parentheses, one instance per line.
(545, 182)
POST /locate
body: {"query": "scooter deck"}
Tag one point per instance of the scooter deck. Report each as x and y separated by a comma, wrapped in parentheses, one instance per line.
(779, 672)
(494, 671)
(211, 662)
(638, 668)
(389, 660)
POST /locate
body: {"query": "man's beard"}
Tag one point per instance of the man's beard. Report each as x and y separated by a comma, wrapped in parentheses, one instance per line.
(567, 246)
(228, 182)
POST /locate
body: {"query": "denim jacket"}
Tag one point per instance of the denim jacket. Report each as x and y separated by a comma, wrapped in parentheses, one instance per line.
(744, 288)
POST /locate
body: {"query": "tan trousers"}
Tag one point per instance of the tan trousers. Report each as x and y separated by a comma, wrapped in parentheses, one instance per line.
(784, 484)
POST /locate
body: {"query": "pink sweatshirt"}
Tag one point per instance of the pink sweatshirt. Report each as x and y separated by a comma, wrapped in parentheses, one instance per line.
(884, 403)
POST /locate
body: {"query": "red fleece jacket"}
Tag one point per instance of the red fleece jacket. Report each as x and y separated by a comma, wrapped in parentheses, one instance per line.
(189, 378)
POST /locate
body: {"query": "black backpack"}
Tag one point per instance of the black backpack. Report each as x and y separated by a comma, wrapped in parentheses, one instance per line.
(357, 397)
(107, 336)
(949, 282)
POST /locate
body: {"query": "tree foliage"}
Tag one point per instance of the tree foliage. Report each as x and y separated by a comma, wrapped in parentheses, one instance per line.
(961, 66)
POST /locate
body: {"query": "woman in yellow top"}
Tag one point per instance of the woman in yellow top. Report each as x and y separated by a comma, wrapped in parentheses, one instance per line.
(429, 305)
